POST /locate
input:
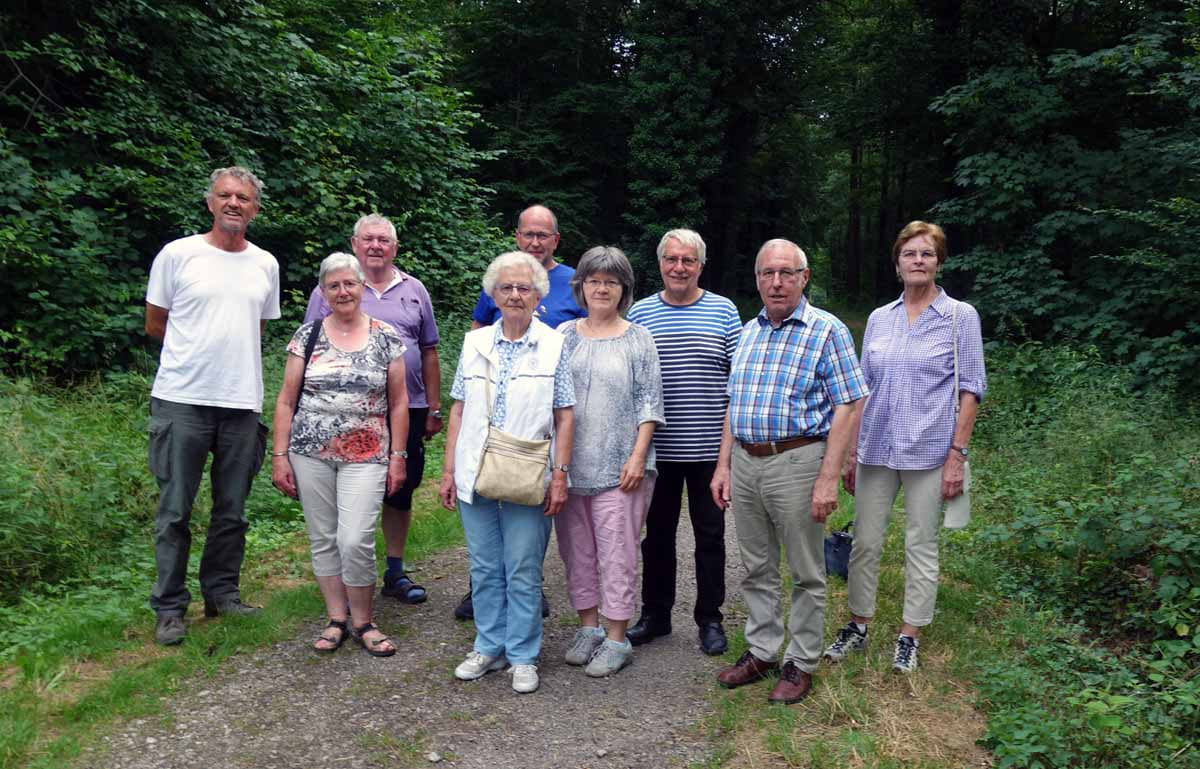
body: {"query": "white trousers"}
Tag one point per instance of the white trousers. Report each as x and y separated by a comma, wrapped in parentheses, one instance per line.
(341, 508)
(875, 493)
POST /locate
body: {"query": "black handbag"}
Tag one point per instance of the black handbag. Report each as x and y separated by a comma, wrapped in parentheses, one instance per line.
(837, 552)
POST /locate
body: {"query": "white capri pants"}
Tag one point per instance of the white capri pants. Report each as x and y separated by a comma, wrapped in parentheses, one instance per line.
(341, 508)
(875, 492)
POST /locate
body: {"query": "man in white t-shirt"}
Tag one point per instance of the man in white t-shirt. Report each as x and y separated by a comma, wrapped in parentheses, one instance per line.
(208, 300)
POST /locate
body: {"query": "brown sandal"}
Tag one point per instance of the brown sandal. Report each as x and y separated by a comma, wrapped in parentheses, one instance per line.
(337, 643)
(372, 647)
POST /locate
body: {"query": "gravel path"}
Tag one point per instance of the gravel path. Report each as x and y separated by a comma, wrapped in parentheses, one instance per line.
(287, 707)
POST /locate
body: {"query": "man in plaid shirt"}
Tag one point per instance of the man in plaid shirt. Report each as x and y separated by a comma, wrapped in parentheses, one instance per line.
(793, 386)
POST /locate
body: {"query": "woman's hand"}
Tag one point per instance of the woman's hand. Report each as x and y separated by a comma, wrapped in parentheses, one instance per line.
(397, 472)
(282, 477)
(632, 472)
(556, 495)
(850, 474)
(447, 491)
(952, 475)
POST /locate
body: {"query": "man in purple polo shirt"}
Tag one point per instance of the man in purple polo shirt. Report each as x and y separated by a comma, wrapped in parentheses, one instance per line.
(401, 300)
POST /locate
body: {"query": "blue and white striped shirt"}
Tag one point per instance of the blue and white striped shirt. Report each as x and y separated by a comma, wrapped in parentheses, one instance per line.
(908, 422)
(786, 381)
(695, 344)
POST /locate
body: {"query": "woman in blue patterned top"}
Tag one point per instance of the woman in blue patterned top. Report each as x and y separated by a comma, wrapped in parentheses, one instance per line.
(513, 376)
(618, 392)
(914, 433)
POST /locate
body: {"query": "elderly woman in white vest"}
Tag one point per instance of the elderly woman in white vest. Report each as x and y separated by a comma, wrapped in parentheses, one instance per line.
(512, 377)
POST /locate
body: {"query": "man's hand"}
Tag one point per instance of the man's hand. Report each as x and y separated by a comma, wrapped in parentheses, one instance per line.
(952, 475)
(721, 487)
(850, 475)
(824, 498)
(433, 425)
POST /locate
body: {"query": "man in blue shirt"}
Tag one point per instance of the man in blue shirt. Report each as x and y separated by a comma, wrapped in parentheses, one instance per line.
(793, 386)
(536, 234)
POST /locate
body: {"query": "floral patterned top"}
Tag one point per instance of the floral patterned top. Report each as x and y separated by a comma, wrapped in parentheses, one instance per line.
(343, 403)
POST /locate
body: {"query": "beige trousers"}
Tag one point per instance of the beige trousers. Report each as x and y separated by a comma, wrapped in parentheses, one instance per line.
(772, 505)
(875, 493)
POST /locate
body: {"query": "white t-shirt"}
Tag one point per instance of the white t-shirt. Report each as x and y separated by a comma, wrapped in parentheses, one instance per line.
(212, 351)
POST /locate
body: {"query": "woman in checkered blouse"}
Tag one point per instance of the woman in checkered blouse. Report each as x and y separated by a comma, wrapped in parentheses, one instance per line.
(910, 435)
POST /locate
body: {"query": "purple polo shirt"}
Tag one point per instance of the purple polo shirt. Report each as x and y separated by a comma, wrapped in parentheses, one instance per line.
(405, 305)
(908, 421)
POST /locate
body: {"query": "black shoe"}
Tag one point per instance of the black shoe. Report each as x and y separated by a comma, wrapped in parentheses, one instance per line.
(169, 630)
(217, 606)
(465, 609)
(545, 606)
(712, 639)
(646, 629)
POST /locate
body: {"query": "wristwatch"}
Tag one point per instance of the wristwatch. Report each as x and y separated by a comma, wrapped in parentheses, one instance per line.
(401, 454)
(436, 413)
(960, 449)
(564, 468)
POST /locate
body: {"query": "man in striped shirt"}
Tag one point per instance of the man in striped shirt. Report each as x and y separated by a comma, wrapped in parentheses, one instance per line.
(695, 332)
(793, 386)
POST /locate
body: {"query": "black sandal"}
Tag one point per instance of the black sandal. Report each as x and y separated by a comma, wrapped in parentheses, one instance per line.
(372, 647)
(341, 639)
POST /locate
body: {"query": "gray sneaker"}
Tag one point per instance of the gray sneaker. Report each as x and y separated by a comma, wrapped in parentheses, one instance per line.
(169, 630)
(583, 646)
(904, 659)
(848, 640)
(609, 658)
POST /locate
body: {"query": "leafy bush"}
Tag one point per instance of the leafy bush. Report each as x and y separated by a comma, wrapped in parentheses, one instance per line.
(1092, 493)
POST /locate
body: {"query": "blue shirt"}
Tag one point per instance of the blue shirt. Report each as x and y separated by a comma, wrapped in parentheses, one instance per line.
(555, 308)
(695, 344)
(786, 381)
(908, 422)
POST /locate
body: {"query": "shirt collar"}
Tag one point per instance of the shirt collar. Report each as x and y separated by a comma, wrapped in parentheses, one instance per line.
(942, 303)
(526, 338)
(802, 315)
(397, 277)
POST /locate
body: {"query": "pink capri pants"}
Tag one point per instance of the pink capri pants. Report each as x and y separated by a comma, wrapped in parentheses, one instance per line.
(598, 539)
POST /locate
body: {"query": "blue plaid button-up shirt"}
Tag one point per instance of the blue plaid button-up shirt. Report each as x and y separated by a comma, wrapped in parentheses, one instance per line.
(785, 382)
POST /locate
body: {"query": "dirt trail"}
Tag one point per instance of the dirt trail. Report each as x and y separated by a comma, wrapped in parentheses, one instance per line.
(287, 707)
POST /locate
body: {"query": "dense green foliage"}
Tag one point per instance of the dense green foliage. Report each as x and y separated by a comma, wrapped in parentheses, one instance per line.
(1093, 493)
(115, 111)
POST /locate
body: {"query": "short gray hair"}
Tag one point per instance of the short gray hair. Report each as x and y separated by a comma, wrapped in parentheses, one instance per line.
(340, 261)
(239, 173)
(689, 239)
(509, 259)
(366, 219)
(607, 259)
(774, 243)
(553, 218)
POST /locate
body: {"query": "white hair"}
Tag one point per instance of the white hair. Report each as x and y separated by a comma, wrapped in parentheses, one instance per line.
(239, 173)
(688, 239)
(366, 219)
(774, 243)
(340, 261)
(509, 259)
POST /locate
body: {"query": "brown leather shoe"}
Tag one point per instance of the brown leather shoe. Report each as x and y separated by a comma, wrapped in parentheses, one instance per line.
(794, 685)
(746, 670)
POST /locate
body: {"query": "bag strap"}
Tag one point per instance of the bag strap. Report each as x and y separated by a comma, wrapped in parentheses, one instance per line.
(309, 346)
(954, 330)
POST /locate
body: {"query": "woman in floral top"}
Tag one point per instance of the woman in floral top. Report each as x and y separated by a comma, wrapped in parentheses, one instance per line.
(334, 418)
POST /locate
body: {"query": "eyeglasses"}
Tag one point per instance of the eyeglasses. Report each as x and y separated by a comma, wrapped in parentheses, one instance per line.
(785, 276)
(913, 254)
(535, 234)
(338, 285)
(595, 283)
(371, 239)
(520, 288)
(686, 261)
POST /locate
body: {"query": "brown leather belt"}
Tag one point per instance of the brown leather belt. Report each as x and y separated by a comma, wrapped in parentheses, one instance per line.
(770, 448)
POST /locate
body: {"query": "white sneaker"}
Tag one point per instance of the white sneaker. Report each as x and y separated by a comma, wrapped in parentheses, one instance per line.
(477, 665)
(904, 659)
(848, 640)
(609, 658)
(584, 645)
(525, 678)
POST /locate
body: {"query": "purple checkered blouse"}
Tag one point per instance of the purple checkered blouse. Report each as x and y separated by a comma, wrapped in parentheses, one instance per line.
(908, 422)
